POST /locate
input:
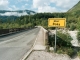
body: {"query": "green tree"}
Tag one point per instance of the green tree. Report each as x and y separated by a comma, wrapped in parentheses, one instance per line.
(72, 26)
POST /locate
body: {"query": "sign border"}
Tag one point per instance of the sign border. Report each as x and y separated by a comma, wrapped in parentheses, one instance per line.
(57, 19)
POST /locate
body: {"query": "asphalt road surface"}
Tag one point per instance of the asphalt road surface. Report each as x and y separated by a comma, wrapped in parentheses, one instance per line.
(14, 47)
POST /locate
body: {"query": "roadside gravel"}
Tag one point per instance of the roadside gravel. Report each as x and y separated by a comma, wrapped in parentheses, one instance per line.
(42, 55)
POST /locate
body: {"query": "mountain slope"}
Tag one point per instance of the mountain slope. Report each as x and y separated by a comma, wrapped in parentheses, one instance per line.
(75, 8)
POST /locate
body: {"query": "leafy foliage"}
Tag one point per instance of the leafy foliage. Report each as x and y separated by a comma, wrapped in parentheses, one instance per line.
(37, 19)
(78, 36)
(72, 19)
(63, 43)
(73, 26)
(75, 8)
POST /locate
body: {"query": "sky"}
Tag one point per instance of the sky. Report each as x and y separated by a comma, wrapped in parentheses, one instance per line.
(38, 5)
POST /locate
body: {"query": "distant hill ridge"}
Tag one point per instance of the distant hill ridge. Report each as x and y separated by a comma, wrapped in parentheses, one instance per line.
(16, 13)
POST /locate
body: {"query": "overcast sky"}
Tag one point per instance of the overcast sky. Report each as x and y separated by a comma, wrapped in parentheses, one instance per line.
(38, 5)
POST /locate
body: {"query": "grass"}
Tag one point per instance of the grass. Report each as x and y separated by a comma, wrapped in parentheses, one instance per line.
(78, 53)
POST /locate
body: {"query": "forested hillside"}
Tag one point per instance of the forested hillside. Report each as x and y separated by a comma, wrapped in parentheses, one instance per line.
(75, 8)
(39, 19)
(73, 20)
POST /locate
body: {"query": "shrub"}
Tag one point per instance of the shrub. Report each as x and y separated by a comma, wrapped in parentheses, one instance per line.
(72, 26)
(63, 43)
(63, 39)
(78, 36)
(70, 52)
(59, 51)
(78, 53)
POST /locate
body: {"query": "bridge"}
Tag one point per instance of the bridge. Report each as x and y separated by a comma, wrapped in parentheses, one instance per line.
(18, 46)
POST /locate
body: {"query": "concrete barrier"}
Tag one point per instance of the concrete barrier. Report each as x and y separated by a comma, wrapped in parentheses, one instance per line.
(45, 35)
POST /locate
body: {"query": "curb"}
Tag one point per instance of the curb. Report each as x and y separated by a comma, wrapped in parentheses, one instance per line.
(30, 51)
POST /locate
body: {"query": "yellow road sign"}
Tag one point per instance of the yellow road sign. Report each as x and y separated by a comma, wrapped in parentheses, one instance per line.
(57, 22)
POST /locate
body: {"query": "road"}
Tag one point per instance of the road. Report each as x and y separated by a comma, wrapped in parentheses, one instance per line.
(14, 47)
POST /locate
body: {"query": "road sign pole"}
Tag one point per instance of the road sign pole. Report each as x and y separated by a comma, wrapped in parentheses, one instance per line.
(55, 38)
(58, 23)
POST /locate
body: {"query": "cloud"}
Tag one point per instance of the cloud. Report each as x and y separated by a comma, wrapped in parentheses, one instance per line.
(47, 9)
(40, 3)
(43, 6)
(4, 4)
(13, 14)
(53, 5)
(65, 3)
